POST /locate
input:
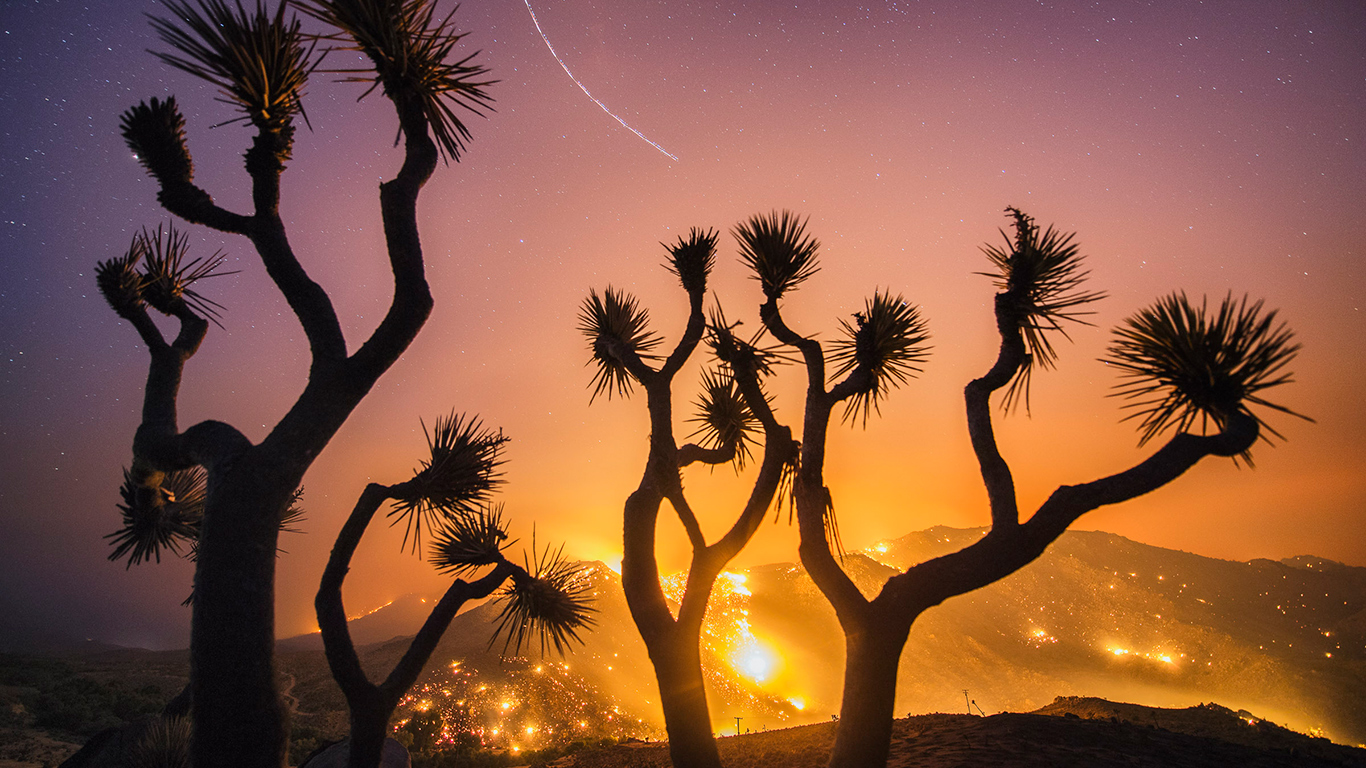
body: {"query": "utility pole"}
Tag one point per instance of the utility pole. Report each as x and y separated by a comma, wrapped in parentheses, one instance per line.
(967, 701)
(737, 725)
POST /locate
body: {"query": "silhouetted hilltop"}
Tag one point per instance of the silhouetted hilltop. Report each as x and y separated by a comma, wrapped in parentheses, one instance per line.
(399, 617)
(1099, 614)
(1080, 732)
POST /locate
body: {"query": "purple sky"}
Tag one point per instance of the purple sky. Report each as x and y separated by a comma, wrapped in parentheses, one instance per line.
(1212, 147)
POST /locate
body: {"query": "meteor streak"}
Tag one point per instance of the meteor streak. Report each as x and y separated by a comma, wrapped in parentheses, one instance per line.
(583, 88)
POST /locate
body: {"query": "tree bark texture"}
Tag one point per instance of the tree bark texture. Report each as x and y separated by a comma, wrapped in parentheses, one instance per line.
(239, 719)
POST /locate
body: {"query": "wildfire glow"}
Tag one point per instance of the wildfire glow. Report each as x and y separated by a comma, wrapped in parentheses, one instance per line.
(737, 583)
(1165, 658)
(755, 662)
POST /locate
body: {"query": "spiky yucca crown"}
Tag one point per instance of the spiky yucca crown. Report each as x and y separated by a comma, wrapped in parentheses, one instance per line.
(778, 250)
(888, 341)
(614, 323)
(155, 132)
(166, 281)
(120, 282)
(164, 742)
(160, 518)
(1185, 367)
(409, 47)
(692, 258)
(466, 541)
(1039, 275)
(734, 351)
(456, 479)
(258, 60)
(549, 599)
(723, 417)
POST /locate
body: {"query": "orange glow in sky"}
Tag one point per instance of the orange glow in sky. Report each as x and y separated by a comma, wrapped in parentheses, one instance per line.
(1209, 148)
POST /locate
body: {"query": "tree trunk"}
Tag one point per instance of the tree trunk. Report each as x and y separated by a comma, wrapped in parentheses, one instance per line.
(369, 728)
(683, 697)
(866, 709)
(239, 719)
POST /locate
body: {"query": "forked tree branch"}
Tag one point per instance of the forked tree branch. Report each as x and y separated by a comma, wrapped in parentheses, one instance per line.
(811, 496)
(340, 651)
(420, 650)
(193, 204)
(995, 471)
(308, 300)
(412, 301)
(1004, 551)
(692, 334)
(158, 444)
(339, 648)
(692, 453)
(686, 517)
(859, 380)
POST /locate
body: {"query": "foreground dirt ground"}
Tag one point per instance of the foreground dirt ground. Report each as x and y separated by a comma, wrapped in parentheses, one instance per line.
(1005, 741)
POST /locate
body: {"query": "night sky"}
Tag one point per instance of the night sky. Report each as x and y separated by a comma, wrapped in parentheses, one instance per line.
(1211, 147)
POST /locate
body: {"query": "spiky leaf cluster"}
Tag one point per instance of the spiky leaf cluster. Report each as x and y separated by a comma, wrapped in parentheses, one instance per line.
(155, 131)
(786, 494)
(167, 277)
(1039, 275)
(1184, 367)
(738, 353)
(887, 343)
(692, 258)
(457, 478)
(465, 541)
(164, 743)
(616, 326)
(723, 416)
(549, 602)
(778, 250)
(293, 514)
(120, 282)
(159, 517)
(258, 59)
(411, 49)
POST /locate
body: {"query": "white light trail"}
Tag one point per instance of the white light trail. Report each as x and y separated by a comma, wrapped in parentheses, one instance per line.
(581, 86)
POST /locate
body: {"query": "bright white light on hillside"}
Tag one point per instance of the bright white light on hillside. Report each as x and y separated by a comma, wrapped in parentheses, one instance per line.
(755, 662)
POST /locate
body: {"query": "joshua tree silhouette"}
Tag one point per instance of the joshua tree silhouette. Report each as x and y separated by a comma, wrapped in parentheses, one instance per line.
(449, 498)
(260, 61)
(1183, 367)
(731, 409)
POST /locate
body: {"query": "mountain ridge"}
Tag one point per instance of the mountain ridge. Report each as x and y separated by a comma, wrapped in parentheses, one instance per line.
(1097, 614)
